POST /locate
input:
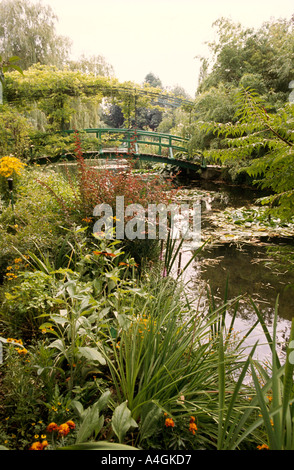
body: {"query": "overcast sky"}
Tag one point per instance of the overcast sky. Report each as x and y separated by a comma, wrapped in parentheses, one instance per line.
(160, 36)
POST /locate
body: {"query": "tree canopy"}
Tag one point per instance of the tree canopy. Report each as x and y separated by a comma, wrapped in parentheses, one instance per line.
(263, 57)
(243, 113)
(28, 30)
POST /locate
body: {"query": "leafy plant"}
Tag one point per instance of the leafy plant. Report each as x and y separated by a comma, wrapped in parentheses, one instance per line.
(273, 399)
(9, 64)
(265, 143)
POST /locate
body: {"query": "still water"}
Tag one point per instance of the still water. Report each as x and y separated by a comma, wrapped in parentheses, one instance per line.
(256, 265)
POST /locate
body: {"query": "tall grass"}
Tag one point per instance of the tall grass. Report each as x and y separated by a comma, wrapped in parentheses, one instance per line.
(167, 361)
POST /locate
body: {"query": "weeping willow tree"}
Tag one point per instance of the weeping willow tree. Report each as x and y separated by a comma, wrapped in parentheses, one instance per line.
(263, 144)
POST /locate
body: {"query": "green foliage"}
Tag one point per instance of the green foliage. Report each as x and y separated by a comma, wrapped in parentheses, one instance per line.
(36, 221)
(94, 65)
(61, 94)
(265, 143)
(23, 397)
(15, 132)
(243, 59)
(263, 57)
(160, 365)
(28, 30)
(8, 65)
(273, 402)
(91, 420)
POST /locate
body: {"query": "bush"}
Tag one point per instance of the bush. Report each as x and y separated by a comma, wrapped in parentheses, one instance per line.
(15, 132)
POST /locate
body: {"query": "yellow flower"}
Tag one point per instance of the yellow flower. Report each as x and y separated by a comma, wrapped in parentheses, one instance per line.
(22, 351)
(10, 165)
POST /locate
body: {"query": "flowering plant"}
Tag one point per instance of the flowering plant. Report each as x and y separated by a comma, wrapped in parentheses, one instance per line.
(10, 165)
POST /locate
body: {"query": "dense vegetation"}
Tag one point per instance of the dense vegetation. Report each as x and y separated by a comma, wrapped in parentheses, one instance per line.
(101, 348)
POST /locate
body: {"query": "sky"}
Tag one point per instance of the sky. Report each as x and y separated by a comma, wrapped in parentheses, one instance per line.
(160, 36)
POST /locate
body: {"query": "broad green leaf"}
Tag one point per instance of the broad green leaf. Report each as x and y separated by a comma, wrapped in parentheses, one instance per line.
(13, 58)
(91, 354)
(150, 416)
(101, 445)
(122, 421)
(91, 423)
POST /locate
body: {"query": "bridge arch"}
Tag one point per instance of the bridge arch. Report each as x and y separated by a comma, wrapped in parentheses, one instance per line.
(132, 144)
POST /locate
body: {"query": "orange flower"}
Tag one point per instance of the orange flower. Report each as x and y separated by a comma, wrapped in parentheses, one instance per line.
(39, 445)
(70, 424)
(104, 253)
(192, 426)
(169, 422)
(44, 444)
(129, 265)
(52, 427)
(263, 447)
(63, 429)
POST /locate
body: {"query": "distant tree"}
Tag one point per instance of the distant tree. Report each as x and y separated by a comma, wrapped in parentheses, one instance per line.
(179, 92)
(153, 81)
(113, 117)
(266, 54)
(95, 65)
(27, 30)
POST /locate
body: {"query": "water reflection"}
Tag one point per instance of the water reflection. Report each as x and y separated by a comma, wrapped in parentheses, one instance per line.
(250, 268)
(247, 271)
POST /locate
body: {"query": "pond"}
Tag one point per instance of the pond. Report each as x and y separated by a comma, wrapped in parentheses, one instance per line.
(254, 253)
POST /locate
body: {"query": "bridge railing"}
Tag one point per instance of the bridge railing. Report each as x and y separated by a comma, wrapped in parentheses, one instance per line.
(136, 141)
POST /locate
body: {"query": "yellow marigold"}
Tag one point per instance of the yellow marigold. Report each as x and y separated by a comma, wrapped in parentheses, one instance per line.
(10, 165)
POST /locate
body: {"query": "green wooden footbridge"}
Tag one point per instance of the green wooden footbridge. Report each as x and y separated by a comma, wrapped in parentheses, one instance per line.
(136, 144)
